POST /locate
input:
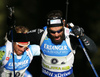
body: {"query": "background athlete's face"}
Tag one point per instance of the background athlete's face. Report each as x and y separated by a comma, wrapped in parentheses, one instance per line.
(20, 47)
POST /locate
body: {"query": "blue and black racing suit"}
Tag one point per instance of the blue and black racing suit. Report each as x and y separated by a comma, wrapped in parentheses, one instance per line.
(21, 62)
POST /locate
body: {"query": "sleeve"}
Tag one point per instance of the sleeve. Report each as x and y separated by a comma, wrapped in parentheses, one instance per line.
(2, 54)
(27, 74)
(89, 43)
(35, 50)
(34, 36)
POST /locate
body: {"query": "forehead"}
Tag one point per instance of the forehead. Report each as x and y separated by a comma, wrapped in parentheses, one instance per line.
(55, 28)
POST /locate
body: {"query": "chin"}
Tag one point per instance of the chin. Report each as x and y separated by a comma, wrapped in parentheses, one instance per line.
(19, 54)
(57, 41)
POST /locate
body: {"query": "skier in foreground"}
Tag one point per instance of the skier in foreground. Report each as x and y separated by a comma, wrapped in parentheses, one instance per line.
(58, 44)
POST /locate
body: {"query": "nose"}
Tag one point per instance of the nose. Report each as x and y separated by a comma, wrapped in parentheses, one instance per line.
(56, 34)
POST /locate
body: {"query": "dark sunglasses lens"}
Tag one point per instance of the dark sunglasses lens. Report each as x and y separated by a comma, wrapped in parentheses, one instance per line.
(60, 31)
(20, 46)
(56, 31)
(52, 31)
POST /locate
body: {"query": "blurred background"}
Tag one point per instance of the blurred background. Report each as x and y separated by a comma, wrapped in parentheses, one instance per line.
(32, 13)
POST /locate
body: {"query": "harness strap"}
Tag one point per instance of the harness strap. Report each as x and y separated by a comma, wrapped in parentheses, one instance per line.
(8, 52)
(43, 36)
(28, 51)
(67, 39)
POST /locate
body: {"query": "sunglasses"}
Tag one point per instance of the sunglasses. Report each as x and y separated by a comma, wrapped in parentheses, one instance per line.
(22, 46)
(56, 31)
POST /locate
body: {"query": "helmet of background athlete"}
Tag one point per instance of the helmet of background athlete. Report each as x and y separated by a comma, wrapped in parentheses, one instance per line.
(54, 18)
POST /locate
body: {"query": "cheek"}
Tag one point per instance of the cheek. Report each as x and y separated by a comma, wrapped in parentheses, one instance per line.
(16, 48)
(52, 34)
(61, 33)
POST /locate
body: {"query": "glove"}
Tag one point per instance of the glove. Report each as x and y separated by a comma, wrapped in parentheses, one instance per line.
(78, 31)
(10, 16)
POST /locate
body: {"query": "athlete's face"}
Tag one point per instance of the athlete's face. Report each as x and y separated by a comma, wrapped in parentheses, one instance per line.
(56, 34)
(20, 47)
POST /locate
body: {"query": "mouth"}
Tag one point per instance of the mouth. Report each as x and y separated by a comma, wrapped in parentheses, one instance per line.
(20, 52)
(57, 38)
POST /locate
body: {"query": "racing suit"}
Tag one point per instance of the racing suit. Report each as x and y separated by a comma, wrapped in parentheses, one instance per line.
(21, 62)
(57, 60)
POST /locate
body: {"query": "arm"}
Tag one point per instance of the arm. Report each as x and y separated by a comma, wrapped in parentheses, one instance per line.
(2, 55)
(35, 50)
(35, 35)
(88, 42)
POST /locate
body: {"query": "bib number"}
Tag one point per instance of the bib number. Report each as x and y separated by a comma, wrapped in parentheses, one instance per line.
(54, 61)
(17, 74)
